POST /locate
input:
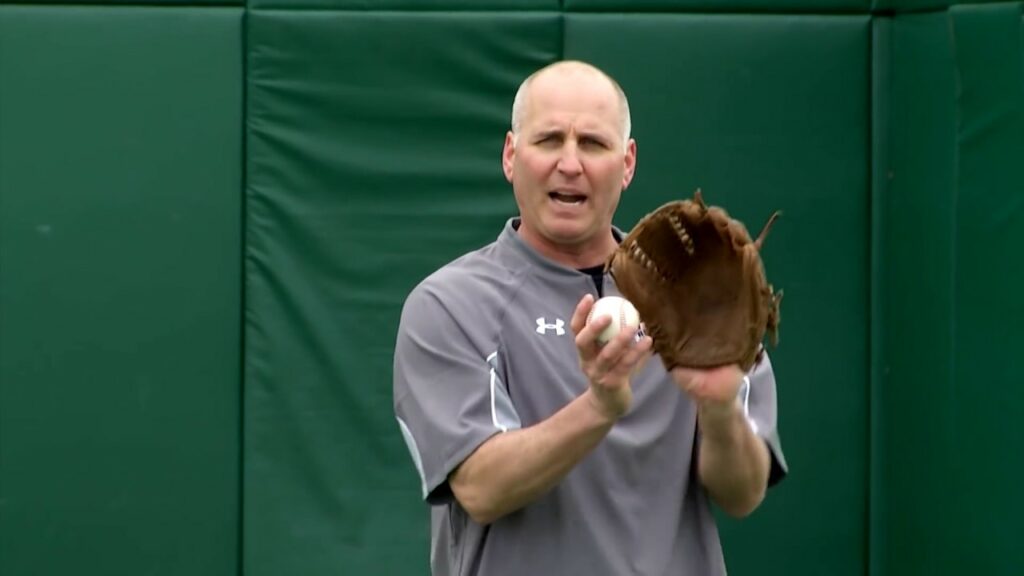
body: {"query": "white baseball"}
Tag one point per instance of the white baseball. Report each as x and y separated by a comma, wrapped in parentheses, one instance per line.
(622, 312)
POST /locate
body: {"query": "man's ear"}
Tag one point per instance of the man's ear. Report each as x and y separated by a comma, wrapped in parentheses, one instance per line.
(508, 155)
(630, 163)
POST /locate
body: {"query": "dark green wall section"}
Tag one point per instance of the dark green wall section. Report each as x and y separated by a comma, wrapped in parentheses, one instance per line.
(951, 404)
(412, 5)
(615, 6)
(915, 390)
(372, 162)
(746, 6)
(120, 235)
(129, 3)
(908, 6)
(988, 366)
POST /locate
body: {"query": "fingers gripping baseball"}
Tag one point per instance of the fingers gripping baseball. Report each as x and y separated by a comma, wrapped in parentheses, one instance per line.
(609, 365)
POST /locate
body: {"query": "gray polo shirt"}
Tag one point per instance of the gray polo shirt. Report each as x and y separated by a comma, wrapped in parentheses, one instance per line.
(484, 346)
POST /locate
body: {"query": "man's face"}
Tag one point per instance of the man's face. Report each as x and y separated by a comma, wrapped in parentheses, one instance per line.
(569, 164)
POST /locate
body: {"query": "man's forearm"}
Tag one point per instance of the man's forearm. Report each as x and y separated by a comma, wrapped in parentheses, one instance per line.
(514, 468)
(734, 462)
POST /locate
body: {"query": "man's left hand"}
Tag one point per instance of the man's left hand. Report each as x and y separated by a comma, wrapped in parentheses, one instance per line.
(710, 387)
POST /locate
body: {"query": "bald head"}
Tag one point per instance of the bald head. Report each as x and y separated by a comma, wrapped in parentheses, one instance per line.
(568, 71)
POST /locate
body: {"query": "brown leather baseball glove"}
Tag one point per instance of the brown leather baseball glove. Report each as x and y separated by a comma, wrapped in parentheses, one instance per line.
(697, 280)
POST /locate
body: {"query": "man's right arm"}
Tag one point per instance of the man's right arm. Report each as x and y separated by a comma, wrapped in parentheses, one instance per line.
(514, 468)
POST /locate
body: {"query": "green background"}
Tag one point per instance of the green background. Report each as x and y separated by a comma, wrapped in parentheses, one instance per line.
(210, 217)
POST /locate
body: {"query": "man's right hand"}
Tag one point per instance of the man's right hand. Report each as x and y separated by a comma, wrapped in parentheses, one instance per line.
(608, 367)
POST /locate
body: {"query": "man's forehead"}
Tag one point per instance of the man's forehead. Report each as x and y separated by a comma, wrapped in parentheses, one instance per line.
(580, 103)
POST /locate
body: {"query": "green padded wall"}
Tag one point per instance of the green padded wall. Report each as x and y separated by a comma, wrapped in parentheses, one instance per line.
(619, 6)
(881, 141)
(742, 6)
(907, 6)
(375, 144)
(916, 234)
(988, 366)
(373, 161)
(765, 113)
(120, 235)
(127, 3)
(410, 6)
(889, 132)
(951, 405)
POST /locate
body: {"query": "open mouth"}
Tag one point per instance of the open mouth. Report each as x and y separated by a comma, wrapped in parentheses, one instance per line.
(570, 199)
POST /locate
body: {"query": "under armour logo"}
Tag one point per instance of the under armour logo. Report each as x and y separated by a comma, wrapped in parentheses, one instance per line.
(543, 326)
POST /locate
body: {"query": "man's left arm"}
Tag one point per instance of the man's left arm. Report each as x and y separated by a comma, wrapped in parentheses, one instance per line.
(733, 461)
(739, 455)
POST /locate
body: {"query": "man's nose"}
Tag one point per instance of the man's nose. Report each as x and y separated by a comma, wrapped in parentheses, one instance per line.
(569, 162)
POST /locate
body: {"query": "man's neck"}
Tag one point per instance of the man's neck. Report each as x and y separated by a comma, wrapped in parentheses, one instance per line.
(586, 255)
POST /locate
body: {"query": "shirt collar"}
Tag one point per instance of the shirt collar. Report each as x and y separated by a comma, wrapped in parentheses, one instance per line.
(510, 240)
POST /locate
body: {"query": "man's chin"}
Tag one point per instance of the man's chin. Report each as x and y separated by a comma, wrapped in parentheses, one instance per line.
(570, 236)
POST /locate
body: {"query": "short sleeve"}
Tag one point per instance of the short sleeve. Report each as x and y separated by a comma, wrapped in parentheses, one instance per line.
(760, 406)
(449, 396)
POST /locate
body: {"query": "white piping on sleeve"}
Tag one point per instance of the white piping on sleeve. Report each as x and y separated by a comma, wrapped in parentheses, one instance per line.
(494, 409)
(745, 391)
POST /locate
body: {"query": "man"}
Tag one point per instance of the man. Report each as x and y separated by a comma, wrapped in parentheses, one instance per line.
(541, 451)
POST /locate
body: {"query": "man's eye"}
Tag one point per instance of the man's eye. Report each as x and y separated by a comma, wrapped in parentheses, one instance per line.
(591, 143)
